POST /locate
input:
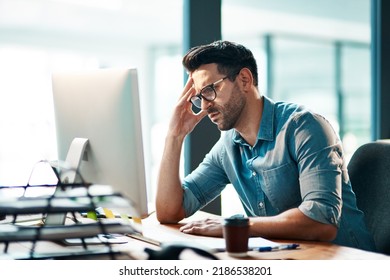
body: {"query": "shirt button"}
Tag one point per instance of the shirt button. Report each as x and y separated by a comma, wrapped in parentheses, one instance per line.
(261, 205)
(253, 173)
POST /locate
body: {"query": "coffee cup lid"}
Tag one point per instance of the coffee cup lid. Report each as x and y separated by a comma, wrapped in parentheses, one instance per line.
(236, 220)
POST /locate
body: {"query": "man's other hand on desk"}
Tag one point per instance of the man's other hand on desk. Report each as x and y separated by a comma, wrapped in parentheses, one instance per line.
(291, 224)
(208, 227)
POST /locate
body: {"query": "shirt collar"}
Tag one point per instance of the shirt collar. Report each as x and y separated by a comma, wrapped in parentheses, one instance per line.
(266, 131)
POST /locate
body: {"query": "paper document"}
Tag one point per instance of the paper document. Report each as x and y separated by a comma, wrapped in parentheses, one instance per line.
(219, 243)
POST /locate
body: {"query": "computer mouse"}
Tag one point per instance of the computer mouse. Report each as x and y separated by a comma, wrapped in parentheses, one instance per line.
(175, 251)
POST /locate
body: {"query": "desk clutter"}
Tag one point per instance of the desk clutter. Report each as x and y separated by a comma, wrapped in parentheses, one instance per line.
(28, 209)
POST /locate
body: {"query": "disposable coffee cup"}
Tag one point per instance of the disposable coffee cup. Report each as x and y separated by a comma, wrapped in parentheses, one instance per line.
(236, 235)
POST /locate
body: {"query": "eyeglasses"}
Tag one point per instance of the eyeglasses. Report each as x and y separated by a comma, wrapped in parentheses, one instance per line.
(207, 93)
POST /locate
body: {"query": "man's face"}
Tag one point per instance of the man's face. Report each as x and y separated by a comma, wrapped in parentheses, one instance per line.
(226, 108)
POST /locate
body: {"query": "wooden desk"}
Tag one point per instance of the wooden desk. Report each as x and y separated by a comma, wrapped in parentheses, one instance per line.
(135, 248)
(308, 250)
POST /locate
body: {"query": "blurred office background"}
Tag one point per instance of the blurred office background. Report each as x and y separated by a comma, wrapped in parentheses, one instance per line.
(312, 52)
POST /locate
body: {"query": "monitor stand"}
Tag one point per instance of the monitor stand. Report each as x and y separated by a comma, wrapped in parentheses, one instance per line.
(73, 160)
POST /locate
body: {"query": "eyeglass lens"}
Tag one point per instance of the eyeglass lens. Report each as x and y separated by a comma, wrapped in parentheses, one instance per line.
(208, 93)
(196, 101)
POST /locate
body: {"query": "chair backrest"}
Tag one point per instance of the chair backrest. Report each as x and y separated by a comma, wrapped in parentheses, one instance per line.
(369, 171)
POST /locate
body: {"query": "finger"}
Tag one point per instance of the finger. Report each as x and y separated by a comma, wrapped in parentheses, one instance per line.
(188, 225)
(201, 114)
(185, 227)
(193, 230)
(188, 87)
(189, 82)
(198, 116)
(188, 91)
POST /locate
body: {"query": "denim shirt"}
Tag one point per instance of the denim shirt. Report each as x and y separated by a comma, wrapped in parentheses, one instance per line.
(297, 162)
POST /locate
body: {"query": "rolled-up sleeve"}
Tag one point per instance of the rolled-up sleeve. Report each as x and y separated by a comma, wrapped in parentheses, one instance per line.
(321, 195)
(320, 163)
(190, 203)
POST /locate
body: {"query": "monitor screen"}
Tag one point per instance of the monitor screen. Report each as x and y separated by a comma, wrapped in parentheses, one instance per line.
(101, 110)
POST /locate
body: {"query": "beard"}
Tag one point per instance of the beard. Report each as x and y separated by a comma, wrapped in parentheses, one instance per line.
(227, 115)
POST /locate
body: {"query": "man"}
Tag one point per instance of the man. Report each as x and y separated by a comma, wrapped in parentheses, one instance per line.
(285, 162)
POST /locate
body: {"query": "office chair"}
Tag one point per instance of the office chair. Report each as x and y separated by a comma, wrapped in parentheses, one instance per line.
(369, 172)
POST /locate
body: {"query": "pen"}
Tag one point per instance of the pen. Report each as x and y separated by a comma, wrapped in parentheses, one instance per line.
(277, 248)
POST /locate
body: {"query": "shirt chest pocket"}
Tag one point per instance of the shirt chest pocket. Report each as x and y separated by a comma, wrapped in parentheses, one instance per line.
(281, 186)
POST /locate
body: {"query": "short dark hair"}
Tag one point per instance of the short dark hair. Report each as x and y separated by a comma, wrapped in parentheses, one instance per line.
(229, 57)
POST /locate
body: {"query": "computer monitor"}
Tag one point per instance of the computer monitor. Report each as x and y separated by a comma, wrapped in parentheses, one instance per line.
(98, 125)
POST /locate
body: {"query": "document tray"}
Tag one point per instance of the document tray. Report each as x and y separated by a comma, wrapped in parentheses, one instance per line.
(13, 233)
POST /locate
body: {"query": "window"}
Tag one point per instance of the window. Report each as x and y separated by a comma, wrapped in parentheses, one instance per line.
(316, 53)
(43, 36)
